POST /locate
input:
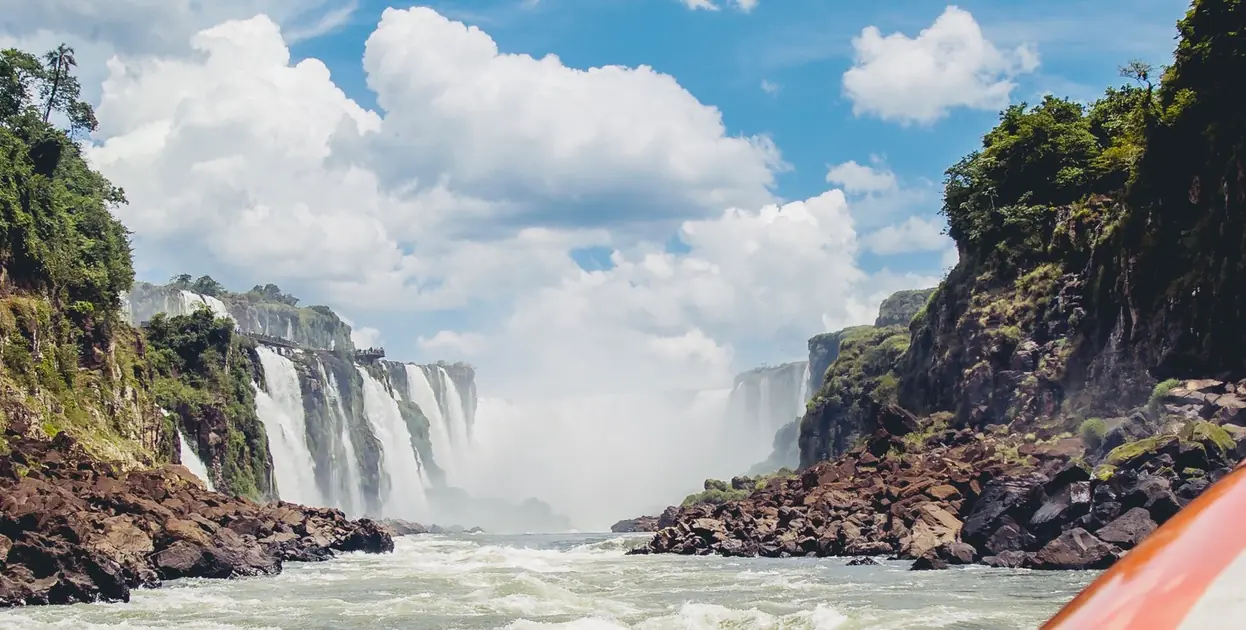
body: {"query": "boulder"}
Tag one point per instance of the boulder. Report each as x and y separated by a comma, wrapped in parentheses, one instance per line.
(1129, 529)
(1008, 560)
(1075, 549)
(863, 561)
(1012, 497)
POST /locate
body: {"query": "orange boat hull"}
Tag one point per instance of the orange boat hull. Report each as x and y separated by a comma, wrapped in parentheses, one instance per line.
(1189, 575)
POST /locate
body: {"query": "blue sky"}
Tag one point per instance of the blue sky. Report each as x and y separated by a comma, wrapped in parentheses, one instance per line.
(448, 220)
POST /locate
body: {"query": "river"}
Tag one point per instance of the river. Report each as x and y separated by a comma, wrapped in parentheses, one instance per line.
(577, 582)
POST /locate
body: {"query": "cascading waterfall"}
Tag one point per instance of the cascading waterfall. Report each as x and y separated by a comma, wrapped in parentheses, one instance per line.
(405, 497)
(349, 481)
(280, 409)
(189, 301)
(422, 394)
(192, 462)
(805, 394)
(452, 402)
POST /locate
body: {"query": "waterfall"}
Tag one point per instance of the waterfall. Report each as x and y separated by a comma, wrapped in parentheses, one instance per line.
(805, 394)
(349, 480)
(452, 404)
(422, 394)
(192, 462)
(405, 496)
(188, 301)
(280, 409)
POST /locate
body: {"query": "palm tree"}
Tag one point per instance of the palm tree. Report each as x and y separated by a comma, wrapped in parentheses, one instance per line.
(62, 59)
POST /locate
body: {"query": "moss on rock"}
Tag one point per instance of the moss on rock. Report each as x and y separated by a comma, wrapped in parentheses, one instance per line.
(1126, 453)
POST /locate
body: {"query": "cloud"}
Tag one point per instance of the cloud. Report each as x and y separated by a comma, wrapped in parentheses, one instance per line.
(454, 343)
(876, 194)
(770, 87)
(98, 31)
(362, 336)
(331, 21)
(478, 158)
(745, 6)
(536, 132)
(857, 178)
(919, 80)
(915, 234)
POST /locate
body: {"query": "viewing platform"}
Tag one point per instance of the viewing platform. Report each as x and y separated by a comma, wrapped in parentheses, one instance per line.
(369, 355)
(270, 340)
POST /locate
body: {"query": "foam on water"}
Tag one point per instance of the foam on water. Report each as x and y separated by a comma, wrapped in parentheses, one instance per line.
(578, 582)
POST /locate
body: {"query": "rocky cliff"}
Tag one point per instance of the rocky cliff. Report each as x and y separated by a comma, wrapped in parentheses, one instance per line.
(1099, 251)
(90, 505)
(859, 378)
(262, 310)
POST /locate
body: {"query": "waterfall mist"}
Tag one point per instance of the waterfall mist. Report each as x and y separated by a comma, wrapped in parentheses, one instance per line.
(280, 409)
(603, 458)
(405, 479)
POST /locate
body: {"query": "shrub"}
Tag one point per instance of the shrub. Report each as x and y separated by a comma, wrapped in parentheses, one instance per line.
(1092, 432)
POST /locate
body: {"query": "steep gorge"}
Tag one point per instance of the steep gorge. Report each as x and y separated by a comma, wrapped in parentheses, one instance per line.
(1076, 375)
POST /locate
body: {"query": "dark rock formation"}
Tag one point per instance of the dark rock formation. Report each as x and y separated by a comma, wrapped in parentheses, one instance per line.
(632, 525)
(76, 530)
(956, 497)
(399, 527)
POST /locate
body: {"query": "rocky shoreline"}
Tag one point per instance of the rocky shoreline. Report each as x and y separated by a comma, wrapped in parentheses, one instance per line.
(945, 497)
(73, 529)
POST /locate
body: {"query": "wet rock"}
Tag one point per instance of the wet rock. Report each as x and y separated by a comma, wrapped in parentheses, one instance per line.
(399, 527)
(863, 561)
(1008, 560)
(928, 562)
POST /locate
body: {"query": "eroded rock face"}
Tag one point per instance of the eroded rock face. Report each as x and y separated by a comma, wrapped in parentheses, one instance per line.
(75, 530)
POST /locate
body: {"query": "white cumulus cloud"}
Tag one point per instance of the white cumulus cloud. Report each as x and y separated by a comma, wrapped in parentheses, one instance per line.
(947, 65)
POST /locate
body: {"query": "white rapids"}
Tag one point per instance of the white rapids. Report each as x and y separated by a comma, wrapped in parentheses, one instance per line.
(577, 582)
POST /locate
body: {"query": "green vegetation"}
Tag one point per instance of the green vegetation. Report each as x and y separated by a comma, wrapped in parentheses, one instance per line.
(1211, 437)
(1157, 395)
(65, 364)
(203, 373)
(1003, 202)
(900, 308)
(717, 491)
(1092, 431)
(865, 368)
(58, 237)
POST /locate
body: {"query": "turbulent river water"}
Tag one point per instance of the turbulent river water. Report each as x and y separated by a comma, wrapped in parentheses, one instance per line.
(577, 582)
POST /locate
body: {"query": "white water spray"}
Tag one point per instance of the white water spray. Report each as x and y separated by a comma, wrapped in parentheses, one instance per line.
(280, 409)
(347, 473)
(192, 462)
(452, 403)
(599, 459)
(405, 497)
(421, 391)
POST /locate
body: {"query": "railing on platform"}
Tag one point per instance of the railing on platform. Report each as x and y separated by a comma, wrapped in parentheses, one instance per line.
(369, 354)
(270, 340)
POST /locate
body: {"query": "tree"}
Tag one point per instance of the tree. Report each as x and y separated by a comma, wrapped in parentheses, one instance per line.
(19, 73)
(181, 281)
(205, 285)
(31, 90)
(60, 91)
